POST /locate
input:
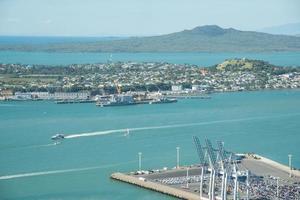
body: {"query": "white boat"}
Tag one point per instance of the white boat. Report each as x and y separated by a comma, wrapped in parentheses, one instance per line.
(126, 133)
(57, 137)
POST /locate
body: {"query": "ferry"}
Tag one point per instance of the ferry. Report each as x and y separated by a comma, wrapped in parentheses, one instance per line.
(58, 137)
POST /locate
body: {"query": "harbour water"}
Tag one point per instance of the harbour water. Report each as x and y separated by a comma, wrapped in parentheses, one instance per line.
(201, 59)
(31, 167)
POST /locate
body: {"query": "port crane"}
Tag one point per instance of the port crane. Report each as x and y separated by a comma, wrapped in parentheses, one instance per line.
(217, 161)
(118, 87)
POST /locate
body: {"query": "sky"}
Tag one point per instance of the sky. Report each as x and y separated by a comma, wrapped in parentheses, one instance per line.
(139, 17)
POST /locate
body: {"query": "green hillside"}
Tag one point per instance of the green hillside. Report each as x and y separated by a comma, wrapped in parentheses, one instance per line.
(210, 38)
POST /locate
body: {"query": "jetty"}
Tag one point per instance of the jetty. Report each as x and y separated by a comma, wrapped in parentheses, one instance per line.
(220, 175)
(165, 189)
(74, 101)
(174, 182)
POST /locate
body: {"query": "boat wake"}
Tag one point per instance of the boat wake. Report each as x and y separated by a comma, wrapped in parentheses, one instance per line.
(98, 133)
(14, 176)
(42, 145)
(94, 133)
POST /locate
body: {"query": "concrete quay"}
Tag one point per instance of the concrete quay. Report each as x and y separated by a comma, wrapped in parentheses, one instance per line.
(263, 176)
(279, 166)
(165, 189)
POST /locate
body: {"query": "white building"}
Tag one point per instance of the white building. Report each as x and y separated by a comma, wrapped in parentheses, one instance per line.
(176, 88)
(51, 96)
(71, 95)
(40, 95)
(196, 87)
(22, 96)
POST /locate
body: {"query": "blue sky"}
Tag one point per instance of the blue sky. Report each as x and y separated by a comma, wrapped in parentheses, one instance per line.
(139, 17)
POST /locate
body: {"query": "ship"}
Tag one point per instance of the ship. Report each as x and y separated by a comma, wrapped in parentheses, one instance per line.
(163, 100)
(115, 100)
(128, 99)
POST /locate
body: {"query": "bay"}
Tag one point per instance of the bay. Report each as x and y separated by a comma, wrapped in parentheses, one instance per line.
(31, 167)
(201, 59)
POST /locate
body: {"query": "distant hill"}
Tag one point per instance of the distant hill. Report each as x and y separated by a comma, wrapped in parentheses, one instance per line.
(257, 66)
(210, 38)
(244, 65)
(285, 29)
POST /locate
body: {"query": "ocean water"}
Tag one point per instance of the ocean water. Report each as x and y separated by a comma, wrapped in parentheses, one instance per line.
(201, 59)
(58, 58)
(31, 167)
(38, 40)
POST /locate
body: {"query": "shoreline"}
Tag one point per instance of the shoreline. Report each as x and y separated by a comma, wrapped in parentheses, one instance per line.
(203, 96)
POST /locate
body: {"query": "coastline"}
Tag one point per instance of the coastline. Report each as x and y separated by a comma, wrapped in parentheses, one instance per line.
(203, 96)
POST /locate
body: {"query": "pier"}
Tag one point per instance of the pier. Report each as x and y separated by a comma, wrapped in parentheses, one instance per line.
(222, 177)
(189, 96)
(165, 189)
(74, 101)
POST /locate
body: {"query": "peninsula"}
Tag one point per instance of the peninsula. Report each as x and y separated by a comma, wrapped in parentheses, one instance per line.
(112, 78)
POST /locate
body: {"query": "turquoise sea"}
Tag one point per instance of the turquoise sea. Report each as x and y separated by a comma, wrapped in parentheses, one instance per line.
(31, 167)
(201, 59)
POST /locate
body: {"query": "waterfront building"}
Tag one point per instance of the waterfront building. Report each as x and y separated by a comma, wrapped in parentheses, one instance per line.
(40, 95)
(22, 96)
(196, 87)
(50, 96)
(176, 88)
(5, 94)
(71, 95)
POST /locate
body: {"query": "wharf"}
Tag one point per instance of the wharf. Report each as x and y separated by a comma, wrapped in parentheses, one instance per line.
(74, 101)
(165, 189)
(188, 97)
(173, 182)
(260, 165)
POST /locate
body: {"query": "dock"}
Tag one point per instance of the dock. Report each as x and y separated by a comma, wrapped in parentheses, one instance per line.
(175, 182)
(74, 101)
(155, 186)
(189, 96)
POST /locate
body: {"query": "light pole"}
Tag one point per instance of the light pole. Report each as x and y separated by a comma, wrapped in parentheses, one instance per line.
(177, 163)
(290, 164)
(140, 161)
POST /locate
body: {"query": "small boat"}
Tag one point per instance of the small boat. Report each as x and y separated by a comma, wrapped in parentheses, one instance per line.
(126, 133)
(57, 137)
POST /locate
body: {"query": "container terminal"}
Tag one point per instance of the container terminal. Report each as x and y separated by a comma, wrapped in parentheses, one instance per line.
(221, 175)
